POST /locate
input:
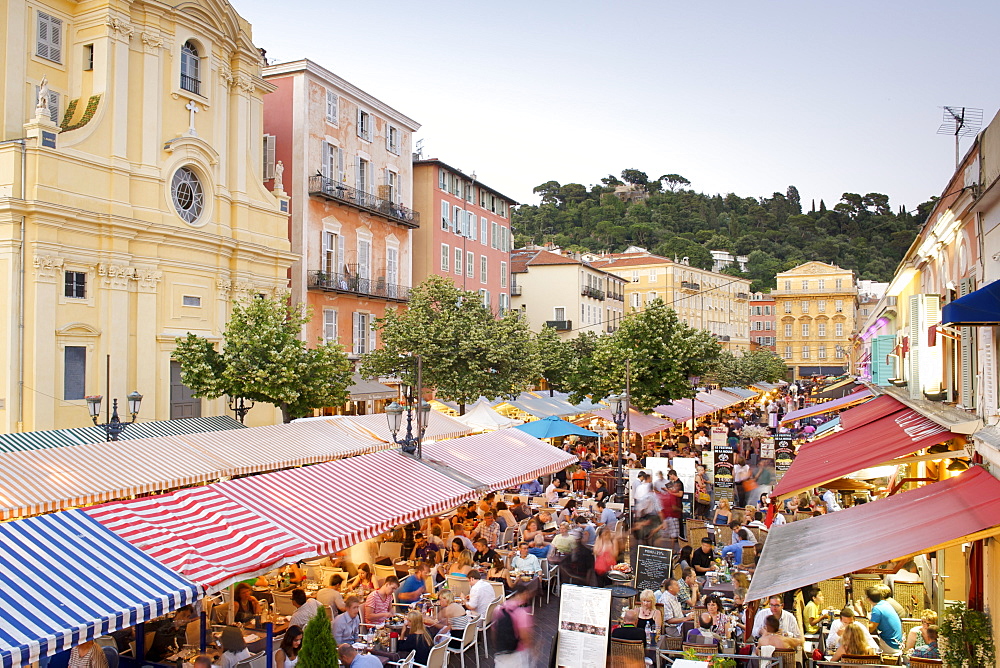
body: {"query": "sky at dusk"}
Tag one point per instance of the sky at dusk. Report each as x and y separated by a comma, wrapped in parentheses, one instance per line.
(744, 97)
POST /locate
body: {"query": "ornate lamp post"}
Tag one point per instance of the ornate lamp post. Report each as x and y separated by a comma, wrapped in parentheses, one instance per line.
(411, 443)
(619, 411)
(114, 427)
(694, 380)
(239, 406)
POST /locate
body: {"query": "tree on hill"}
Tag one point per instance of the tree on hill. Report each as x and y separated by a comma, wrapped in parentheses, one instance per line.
(674, 181)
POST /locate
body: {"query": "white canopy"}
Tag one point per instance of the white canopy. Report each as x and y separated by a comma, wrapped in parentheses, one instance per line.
(483, 418)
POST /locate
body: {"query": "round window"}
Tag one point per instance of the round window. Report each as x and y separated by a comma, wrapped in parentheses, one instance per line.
(187, 195)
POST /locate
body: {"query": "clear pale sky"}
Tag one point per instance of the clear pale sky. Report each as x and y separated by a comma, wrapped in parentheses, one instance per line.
(744, 97)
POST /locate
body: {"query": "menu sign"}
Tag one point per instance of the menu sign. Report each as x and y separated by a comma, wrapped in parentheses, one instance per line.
(720, 434)
(784, 453)
(723, 470)
(584, 618)
(653, 565)
(767, 447)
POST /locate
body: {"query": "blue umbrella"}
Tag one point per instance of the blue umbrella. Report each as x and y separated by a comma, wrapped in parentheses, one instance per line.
(553, 427)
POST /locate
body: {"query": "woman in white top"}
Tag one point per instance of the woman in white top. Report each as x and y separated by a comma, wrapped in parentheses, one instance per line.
(234, 648)
(288, 654)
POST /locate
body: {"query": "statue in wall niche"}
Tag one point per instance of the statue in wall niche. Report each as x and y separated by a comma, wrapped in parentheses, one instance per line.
(279, 171)
(42, 105)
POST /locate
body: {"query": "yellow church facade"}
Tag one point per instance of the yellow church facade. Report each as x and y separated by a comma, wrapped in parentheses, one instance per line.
(132, 204)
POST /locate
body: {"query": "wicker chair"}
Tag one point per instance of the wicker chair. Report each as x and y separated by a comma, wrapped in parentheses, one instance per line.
(787, 657)
(671, 642)
(696, 530)
(627, 653)
(891, 659)
(916, 661)
(699, 649)
(908, 624)
(802, 515)
(910, 595)
(723, 535)
(834, 592)
(749, 555)
(871, 660)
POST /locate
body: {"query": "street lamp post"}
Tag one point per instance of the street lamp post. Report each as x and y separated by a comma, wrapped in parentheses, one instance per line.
(619, 411)
(114, 427)
(411, 443)
(694, 385)
(238, 405)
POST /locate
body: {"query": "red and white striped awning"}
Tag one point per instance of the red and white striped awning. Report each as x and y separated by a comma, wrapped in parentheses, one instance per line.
(499, 459)
(376, 425)
(638, 422)
(337, 504)
(202, 535)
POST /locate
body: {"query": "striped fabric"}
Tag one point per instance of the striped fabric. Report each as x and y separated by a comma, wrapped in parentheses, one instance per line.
(202, 535)
(335, 505)
(500, 459)
(67, 579)
(639, 423)
(741, 392)
(718, 398)
(34, 440)
(439, 425)
(681, 409)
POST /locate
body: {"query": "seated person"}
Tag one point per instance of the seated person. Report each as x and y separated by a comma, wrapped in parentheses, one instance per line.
(813, 614)
(305, 608)
(532, 528)
(853, 643)
(484, 554)
(415, 586)
(884, 622)
(786, 620)
(647, 616)
(628, 630)
(919, 636)
(835, 636)
(703, 634)
(350, 657)
(702, 558)
(689, 593)
(773, 637)
(930, 650)
(539, 547)
(742, 537)
(524, 561)
(415, 637)
(421, 547)
(330, 595)
(345, 626)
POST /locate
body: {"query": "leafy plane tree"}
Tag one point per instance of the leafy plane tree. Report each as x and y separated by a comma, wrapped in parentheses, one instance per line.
(263, 359)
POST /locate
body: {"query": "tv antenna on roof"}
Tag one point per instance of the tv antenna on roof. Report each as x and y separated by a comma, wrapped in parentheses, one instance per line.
(960, 122)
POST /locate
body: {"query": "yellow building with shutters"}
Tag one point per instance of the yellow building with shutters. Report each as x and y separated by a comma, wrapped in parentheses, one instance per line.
(815, 306)
(132, 204)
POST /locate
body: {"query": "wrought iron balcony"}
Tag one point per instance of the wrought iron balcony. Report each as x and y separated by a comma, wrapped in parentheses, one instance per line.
(331, 189)
(560, 325)
(355, 285)
(594, 293)
(617, 296)
(742, 295)
(685, 285)
(515, 291)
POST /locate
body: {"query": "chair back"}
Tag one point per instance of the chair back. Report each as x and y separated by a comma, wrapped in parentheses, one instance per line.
(910, 595)
(617, 507)
(916, 661)
(723, 535)
(627, 653)
(787, 657)
(696, 530)
(438, 656)
(834, 592)
(407, 661)
(327, 572)
(283, 603)
(380, 573)
(538, 501)
(192, 633)
(749, 555)
(220, 613)
(111, 656)
(390, 549)
(226, 594)
(258, 660)
(789, 517)
(908, 624)
(498, 588)
(758, 533)
(458, 584)
(871, 659)
(470, 631)
(803, 515)
(507, 536)
(699, 649)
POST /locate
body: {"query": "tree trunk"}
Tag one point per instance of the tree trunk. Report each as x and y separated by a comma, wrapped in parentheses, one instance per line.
(461, 409)
(285, 417)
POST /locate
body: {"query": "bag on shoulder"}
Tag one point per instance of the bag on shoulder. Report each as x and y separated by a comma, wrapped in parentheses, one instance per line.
(504, 632)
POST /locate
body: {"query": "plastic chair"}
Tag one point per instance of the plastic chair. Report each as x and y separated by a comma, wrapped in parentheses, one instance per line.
(487, 623)
(111, 655)
(458, 584)
(438, 656)
(256, 661)
(391, 550)
(498, 588)
(507, 536)
(626, 653)
(549, 577)
(380, 573)
(406, 662)
(283, 603)
(469, 640)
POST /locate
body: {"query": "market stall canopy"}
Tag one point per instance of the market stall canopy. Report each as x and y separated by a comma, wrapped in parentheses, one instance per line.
(826, 407)
(334, 505)
(932, 517)
(825, 428)
(499, 459)
(585, 406)
(639, 423)
(53, 438)
(483, 418)
(553, 427)
(202, 535)
(767, 387)
(364, 390)
(718, 399)
(67, 580)
(681, 409)
(869, 411)
(539, 406)
(981, 307)
(838, 389)
(376, 425)
(741, 392)
(879, 442)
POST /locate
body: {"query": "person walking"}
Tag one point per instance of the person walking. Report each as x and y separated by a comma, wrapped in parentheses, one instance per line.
(512, 632)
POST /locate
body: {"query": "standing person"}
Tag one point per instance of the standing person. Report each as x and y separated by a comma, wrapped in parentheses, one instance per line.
(671, 508)
(605, 553)
(512, 634)
(702, 495)
(288, 654)
(741, 473)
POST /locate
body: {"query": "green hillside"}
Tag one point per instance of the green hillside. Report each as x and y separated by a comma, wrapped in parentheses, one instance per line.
(861, 232)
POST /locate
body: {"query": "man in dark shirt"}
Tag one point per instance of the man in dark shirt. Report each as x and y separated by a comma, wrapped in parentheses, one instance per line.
(519, 510)
(484, 553)
(628, 630)
(701, 559)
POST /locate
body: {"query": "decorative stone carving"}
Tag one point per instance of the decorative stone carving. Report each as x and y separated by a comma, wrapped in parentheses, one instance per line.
(119, 28)
(224, 286)
(226, 74)
(245, 83)
(116, 275)
(42, 104)
(151, 42)
(47, 267)
(148, 279)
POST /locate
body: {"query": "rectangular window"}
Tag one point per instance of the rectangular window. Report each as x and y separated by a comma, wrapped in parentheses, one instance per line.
(470, 264)
(788, 353)
(484, 230)
(189, 300)
(330, 334)
(635, 275)
(821, 283)
(445, 257)
(788, 307)
(392, 140)
(392, 266)
(364, 125)
(821, 306)
(838, 353)
(493, 235)
(458, 220)
(767, 310)
(805, 285)
(458, 261)
(635, 300)
(48, 39)
(364, 336)
(361, 181)
(445, 215)
(805, 330)
(653, 274)
(805, 352)
(364, 258)
(503, 274)
(74, 372)
(331, 107)
(839, 329)
(76, 284)
(482, 269)
(788, 285)
(268, 157)
(442, 179)
(88, 57)
(821, 352)
(805, 306)
(788, 330)
(332, 254)
(504, 302)
(821, 329)
(840, 284)
(392, 186)
(839, 305)
(559, 313)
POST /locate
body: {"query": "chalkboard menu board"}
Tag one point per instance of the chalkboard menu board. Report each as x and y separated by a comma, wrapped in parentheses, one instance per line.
(652, 567)
(784, 453)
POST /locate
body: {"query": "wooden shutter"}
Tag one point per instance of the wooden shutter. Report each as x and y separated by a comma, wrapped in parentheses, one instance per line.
(331, 106)
(917, 337)
(330, 325)
(340, 268)
(340, 165)
(74, 372)
(324, 167)
(967, 355)
(48, 42)
(388, 137)
(358, 178)
(357, 342)
(372, 188)
(364, 258)
(360, 123)
(371, 333)
(269, 155)
(445, 215)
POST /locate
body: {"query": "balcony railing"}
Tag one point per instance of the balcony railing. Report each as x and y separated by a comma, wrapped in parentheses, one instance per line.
(685, 285)
(355, 285)
(190, 83)
(588, 291)
(742, 295)
(515, 291)
(616, 296)
(331, 189)
(560, 325)
(612, 329)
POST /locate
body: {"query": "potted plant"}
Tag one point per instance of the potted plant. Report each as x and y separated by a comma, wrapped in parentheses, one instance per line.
(713, 661)
(319, 649)
(966, 638)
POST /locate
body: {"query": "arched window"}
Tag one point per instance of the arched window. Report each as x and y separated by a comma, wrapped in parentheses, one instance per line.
(190, 68)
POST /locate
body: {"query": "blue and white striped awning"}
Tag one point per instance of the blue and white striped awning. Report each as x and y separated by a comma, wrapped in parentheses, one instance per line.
(66, 579)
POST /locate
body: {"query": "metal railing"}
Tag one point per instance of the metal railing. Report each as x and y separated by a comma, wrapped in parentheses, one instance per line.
(191, 84)
(355, 285)
(588, 291)
(332, 189)
(617, 296)
(560, 325)
(742, 295)
(515, 291)
(685, 285)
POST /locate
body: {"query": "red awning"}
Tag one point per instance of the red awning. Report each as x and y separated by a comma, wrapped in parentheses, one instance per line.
(931, 517)
(872, 410)
(896, 435)
(334, 505)
(202, 535)
(826, 407)
(638, 422)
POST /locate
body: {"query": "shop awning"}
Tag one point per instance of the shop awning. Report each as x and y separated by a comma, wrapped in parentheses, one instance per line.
(376, 425)
(202, 535)
(741, 392)
(363, 390)
(500, 459)
(638, 422)
(981, 307)
(334, 505)
(483, 418)
(932, 517)
(838, 389)
(540, 407)
(826, 427)
(718, 399)
(585, 406)
(879, 442)
(827, 406)
(67, 579)
(681, 409)
(864, 413)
